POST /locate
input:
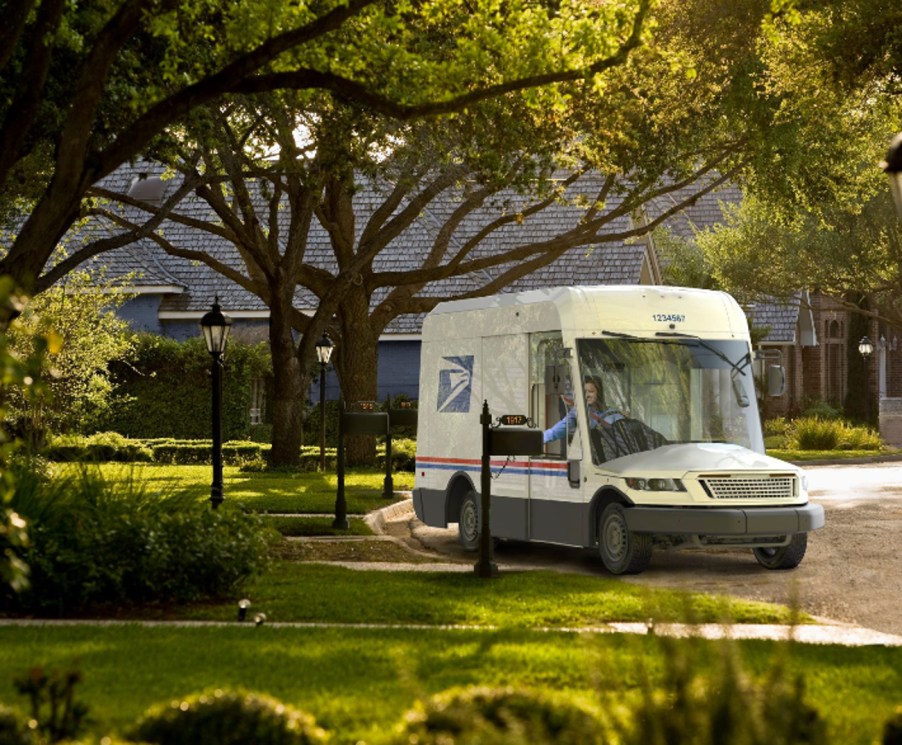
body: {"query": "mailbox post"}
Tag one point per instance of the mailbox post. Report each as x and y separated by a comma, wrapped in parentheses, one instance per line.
(365, 419)
(516, 440)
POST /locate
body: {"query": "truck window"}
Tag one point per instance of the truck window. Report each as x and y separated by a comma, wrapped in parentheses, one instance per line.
(550, 386)
(670, 391)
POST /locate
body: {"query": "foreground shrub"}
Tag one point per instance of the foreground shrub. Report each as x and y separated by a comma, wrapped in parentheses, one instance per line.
(13, 728)
(728, 707)
(500, 716)
(92, 542)
(228, 718)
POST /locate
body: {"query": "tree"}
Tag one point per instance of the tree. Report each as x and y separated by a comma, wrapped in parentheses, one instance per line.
(645, 130)
(79, 315)
(86, 87)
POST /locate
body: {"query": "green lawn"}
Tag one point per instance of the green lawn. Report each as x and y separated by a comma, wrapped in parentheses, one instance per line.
(358, 681)
(288, 492)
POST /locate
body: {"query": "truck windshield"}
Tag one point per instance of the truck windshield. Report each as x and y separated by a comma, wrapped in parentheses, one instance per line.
(668, 390)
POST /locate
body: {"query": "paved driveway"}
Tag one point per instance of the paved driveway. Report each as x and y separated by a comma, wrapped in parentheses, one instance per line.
(852, 571)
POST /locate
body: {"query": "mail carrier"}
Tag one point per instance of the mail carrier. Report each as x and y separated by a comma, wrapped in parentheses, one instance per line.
(648, 405)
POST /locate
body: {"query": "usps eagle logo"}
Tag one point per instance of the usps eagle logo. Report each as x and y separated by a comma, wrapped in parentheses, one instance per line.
(455, 384)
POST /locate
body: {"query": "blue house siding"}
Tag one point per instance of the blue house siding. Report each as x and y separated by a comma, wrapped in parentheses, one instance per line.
(399, 369)
(398, 373)
(143, 313)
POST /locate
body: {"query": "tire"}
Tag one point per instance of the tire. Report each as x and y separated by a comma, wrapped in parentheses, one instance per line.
(469, 523)
(622, 551)
(784, 557)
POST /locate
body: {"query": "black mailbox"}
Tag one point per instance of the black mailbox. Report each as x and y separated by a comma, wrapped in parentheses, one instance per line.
(403, 417)
(516, 442)
(365, 423)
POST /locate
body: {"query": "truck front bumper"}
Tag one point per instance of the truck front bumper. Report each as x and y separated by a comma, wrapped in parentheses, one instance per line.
(717, 521)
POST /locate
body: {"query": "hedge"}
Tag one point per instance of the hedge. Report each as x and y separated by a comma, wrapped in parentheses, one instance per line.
(165, 391)
(111, 446)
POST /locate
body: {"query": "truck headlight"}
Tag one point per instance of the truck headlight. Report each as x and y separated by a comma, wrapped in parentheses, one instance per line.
(655, 484)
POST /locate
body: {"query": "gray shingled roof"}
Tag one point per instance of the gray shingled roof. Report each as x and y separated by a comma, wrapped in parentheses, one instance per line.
(789, 320)
(609, 263)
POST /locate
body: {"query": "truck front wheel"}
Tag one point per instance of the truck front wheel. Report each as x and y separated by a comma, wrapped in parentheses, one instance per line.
(784, 557)
(470, 523)
(622, 551)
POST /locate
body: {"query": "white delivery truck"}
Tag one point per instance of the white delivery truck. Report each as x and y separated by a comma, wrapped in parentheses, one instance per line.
(669, 455)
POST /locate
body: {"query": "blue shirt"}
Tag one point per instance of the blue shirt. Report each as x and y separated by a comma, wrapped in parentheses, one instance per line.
(596, 419)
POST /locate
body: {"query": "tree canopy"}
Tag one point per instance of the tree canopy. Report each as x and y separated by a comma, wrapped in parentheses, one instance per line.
(85, 87)
(269, 167)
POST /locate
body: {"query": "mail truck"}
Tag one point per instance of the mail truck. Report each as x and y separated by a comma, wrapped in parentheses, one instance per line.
(675, 459)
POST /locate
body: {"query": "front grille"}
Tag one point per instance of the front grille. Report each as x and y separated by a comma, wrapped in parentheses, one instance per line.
(772, 486)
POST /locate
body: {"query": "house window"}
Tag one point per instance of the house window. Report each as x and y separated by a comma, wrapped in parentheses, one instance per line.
(834, 378)
(258, 400)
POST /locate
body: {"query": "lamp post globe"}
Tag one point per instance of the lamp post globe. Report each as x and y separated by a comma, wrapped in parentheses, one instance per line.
(216, 327)
(865, 347)
(324, 349)
(892, 166)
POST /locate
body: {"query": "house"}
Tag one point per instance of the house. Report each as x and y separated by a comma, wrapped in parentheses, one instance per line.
(171, 294)
(805, 333)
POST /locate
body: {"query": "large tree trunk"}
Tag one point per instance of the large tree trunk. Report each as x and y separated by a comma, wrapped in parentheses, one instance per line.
(289, 392)
(357, 364)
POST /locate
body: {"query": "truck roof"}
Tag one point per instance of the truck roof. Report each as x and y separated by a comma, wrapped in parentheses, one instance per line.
(635, 309)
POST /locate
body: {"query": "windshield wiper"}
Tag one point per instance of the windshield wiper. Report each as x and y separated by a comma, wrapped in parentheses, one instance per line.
(738, 368)
(621, 335)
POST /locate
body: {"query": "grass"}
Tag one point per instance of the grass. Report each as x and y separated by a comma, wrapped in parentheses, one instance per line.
(812, 455)
(359, 682)
(266, 491)
(317, 593)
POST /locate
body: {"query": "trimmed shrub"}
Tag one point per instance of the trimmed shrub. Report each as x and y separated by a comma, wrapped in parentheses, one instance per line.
(91, 543)
(228, 718)
(166, 389)
(100, 447)
(199, 452)
(501, 716)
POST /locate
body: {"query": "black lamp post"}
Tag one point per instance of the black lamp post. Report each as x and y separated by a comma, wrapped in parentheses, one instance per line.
(866, 349)
(893, 168)
(324, 348)
(216, 327)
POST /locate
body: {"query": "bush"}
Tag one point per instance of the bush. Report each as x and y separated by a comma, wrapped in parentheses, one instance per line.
(93, 544)
(166, 389)
(812, 433)
(13, 728)
(892, 730)
(821, 410)
(728, 707)
(501, 716)
(199, 452)
(228, 718)
(97, 448)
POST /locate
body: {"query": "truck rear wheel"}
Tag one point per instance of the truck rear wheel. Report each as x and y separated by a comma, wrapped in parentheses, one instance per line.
(622, 551)
(783, 557)
(470, 522)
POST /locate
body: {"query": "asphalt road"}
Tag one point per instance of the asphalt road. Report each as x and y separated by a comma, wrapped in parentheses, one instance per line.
(852, 571)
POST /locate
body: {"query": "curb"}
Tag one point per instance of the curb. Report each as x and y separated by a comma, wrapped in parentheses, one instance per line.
(802, 634)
